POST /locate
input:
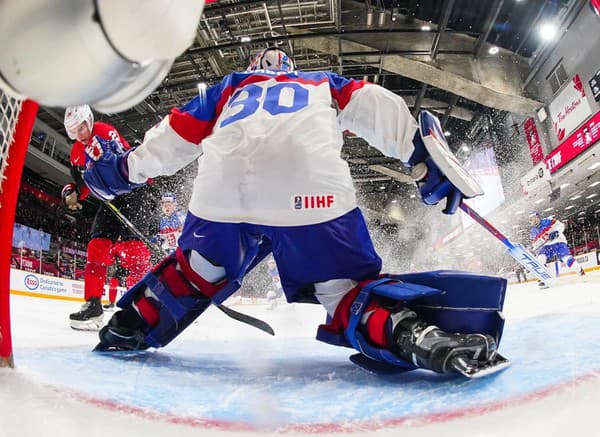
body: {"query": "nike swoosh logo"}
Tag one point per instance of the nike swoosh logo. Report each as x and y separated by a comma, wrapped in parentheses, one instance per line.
(199, 236)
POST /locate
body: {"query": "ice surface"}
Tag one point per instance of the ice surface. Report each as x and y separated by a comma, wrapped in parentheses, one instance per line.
(224, 378)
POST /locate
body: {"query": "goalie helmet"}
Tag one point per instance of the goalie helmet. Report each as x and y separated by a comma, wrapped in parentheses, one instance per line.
(74, 116)
(271, 58)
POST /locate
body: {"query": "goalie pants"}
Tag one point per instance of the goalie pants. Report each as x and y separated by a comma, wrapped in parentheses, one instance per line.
(336, 249)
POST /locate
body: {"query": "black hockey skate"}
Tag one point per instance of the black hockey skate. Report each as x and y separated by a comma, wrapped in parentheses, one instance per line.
(428, 347)
(109, 306)
(89, 317)
(123, 332)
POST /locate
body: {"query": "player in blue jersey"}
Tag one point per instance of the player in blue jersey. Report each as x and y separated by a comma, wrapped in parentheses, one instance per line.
(271, 180)
(549, 242)
(171, 223)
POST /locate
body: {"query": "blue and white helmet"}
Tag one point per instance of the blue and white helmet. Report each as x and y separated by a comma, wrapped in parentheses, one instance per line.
(534, 217)
(168, 197)
(271, 58)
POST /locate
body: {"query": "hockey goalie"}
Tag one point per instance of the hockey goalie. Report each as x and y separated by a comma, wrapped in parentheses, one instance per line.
(271, 180)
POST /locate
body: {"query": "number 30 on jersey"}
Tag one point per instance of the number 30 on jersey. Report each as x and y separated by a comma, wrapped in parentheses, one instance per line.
(250, 98)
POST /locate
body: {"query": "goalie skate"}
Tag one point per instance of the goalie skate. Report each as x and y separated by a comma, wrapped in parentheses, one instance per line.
(476, 369)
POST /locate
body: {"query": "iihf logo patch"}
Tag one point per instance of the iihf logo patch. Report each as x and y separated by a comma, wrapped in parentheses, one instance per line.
(312, 201)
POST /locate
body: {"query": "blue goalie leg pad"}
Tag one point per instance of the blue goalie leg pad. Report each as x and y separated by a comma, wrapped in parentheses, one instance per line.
(453, 301)
(469, 304)
(176, 310)
(378, 367)
(369, 354)
(392, 289)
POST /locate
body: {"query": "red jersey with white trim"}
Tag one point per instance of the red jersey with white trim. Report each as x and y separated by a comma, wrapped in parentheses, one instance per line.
(78, 152)
(269, 145)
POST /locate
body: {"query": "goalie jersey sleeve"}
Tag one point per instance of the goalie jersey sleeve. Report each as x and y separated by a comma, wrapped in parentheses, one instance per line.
(269, 145)
(379, 116)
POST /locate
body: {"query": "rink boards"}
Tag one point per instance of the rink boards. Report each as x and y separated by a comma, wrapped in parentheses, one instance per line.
(50, 287)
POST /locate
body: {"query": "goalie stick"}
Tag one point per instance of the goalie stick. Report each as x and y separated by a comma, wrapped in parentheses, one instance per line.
(240, 317)
(517, 251)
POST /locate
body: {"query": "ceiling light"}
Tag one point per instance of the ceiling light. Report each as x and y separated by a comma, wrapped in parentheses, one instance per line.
(594, 166)
(382, 187)
(564, 186)
(548, 209)
(395, 201)
(426, 28)
(412, 196)
(465, 148)
(493, 50)
(575, 197)
(594, 184)
(539, 200)
(569, 207)
(245, 39)
(370, 16)
(591, 195)
(547, 31)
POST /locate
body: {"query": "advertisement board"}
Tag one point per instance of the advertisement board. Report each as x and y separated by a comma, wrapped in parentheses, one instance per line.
(533, 140)
(569, 109)
(535, 178)
(34, 284)
(582, 139)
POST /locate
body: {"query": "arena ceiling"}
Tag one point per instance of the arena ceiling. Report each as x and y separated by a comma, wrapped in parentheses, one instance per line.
(458, 58)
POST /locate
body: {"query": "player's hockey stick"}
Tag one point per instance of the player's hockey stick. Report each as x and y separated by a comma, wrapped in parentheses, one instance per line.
(240, 317)
(517, 251)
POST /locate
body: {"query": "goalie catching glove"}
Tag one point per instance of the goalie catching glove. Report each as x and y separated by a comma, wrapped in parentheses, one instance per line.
(108, 176)
(436, 170)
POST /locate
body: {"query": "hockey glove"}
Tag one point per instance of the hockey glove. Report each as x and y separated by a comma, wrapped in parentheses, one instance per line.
(108, 177)
(553, 235)
(71, 197)
(436, 170)
(434, 186)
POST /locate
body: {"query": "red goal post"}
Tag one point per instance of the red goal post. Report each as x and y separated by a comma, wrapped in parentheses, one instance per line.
(16, 122)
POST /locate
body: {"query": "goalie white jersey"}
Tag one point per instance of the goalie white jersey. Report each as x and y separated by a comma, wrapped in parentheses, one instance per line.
(288, 172)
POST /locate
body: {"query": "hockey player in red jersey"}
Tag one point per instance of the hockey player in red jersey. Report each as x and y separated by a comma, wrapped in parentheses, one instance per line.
(271, 180)
(108, 235)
